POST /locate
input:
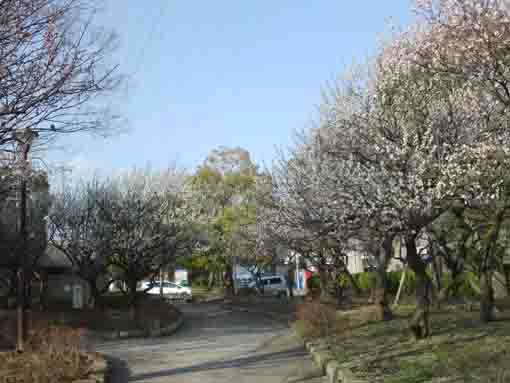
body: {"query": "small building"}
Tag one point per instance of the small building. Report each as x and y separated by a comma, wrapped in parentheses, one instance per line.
(62, 284)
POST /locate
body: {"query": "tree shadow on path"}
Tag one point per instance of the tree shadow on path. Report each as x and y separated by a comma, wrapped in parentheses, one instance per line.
(255, 361)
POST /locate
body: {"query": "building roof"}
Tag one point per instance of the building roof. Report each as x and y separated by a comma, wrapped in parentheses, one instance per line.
(54, 258)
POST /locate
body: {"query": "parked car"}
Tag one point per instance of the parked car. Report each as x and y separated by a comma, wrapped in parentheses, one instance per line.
(244, 282)
(271, 285)
(170, 290)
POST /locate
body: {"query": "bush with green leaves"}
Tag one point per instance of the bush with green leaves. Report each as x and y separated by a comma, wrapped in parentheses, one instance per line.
(366, 281)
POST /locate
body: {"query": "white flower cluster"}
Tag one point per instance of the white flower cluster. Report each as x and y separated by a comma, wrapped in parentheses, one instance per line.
(423, 127)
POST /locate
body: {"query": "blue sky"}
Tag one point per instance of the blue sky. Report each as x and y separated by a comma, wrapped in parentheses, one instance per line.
(236, 73)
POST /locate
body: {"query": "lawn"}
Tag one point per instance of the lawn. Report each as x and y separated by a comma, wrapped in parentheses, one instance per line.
(461, 348)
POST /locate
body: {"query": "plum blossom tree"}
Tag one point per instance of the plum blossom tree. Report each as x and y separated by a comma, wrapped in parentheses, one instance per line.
(306, 211)
(439, 127)
(148, 225)
(54, 67)
(78, 231)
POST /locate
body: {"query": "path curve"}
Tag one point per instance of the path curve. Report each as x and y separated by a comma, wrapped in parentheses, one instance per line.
(215, 345)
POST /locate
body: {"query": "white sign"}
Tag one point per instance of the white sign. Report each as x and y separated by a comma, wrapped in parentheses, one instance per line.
(181, 275)
(77, 297)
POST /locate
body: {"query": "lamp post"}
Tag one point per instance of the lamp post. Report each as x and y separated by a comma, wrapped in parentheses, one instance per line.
(24, 138)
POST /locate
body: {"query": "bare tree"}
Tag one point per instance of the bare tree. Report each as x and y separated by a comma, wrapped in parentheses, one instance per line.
(149, 227)
(55, 68)
(77, 230)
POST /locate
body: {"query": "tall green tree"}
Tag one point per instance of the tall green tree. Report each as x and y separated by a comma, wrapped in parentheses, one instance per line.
(222, 190)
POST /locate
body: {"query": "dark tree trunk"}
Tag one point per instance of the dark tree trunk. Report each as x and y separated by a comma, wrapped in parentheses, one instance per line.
(324, 280)
(486, 297)
(338, 288)
(507, 280)
(290, 282)
(437, 270)
(43, 290)
(132, 299)
(487, 307)
(419, 324)
(95, 294)
(352, 281)
(13, 285)
(383, 311)
(229, 280)
(456, 274)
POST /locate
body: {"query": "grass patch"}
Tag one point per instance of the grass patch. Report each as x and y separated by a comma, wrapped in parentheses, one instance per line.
(411, 372)
(461, 348)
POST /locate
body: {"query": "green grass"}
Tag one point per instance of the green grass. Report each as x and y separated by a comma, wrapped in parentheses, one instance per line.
(461, 348)
(412, 373)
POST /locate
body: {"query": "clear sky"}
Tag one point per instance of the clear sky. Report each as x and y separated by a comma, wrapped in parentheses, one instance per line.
(235, 73)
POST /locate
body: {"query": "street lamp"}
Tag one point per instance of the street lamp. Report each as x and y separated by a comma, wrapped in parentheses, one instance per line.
(24, 138)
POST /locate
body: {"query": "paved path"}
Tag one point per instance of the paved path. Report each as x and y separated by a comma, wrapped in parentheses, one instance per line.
(216, 345)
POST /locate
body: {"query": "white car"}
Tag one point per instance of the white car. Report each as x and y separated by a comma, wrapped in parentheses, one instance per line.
(272, 285)
(170, 290)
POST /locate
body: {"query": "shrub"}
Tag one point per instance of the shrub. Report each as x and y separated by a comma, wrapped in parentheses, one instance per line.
(313, 282)
(366, 281)
(393, 279)
(465, 289)
(317, 320)
(53, 354)
(200, 282)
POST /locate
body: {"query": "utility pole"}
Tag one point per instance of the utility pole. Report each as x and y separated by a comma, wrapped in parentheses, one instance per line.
(25, 138)
(63, 178)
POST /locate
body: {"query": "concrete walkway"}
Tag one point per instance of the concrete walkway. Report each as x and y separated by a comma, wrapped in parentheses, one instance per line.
(215, 345)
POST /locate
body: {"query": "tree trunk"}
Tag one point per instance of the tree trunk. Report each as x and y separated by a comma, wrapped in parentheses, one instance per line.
(13, 285)
(324, 280)
(382, 308)
(456, 274)
(383, 255)
(132, 300)
(161, 278)
(210, 283)
(352, 281)
(229, 281)
(419, 324)
(339, 289)
(290, 282)
(43, 290)
(507, 280)
(94, 294)
(486, 284)
(486, 297)
(437, 272)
